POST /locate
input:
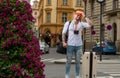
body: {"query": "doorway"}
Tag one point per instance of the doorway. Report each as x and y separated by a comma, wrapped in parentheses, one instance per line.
(114, 32)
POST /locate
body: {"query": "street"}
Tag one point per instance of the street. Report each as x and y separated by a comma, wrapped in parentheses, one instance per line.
(109, 67)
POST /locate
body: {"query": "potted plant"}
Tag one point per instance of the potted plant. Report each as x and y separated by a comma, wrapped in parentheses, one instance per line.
(20, 55)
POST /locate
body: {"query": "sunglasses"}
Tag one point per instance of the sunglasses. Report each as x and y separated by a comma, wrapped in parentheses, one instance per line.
(79, 14)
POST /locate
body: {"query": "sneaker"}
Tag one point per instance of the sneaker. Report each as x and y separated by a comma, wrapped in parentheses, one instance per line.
(66, 76)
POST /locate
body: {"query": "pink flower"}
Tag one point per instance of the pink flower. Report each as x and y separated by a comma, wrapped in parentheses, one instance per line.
(13, 77)
(5, 57)
(14, 41)
(28, 55)
(8, 0)
(8, 25)
(30, 65)
(37, 76)
(2, 29)
(17, 2)
(2, 46)
(3, 22)
(24, 16)
(27, 77)
(13, 68)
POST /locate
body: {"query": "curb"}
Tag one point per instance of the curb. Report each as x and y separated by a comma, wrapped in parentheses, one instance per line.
(109, 62)
(63, 61)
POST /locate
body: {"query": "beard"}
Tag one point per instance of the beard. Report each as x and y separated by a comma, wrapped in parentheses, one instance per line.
(77, 18)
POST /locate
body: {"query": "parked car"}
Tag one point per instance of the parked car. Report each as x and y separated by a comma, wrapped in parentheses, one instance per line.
(108, 47)
(60, 49)
(44, 47)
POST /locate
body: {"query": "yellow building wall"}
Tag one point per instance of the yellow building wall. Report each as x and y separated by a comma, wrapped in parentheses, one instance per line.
(56, 9)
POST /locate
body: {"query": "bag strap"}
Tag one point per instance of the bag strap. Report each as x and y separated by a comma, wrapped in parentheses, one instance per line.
(67, 31)
(68, 27)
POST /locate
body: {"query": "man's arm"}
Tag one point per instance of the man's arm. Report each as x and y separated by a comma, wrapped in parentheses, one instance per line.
(88, 21)
(64, 31)
(63, 40)
(63, 37)
(63, 34)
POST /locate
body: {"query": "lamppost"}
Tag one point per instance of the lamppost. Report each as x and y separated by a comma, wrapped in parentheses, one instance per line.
(100, 1)
(85, 1)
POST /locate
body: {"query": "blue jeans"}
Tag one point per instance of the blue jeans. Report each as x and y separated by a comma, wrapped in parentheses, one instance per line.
(77, 52)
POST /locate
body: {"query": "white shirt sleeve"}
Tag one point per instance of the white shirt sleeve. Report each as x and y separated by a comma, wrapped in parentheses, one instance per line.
(85, 25)
(65, 27)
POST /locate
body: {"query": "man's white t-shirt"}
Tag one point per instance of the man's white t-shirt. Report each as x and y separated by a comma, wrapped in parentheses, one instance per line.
(74, 39)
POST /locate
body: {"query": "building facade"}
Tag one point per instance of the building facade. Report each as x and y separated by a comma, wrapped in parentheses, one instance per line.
(28, 1)
(35, 14)
(110, 28)
(53, 15)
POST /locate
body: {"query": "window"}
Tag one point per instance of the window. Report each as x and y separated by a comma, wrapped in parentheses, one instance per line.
(35, 5)
(48, 19)
(65, 2)
(49, 2)
(92, 8)
(64, 17)
(79, 3)
(115, 4)
(35, 13)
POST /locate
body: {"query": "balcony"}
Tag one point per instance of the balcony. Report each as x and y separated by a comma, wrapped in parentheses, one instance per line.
(113, 11)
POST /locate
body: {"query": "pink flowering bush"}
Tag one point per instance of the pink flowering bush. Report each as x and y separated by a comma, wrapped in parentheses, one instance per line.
(20, 55)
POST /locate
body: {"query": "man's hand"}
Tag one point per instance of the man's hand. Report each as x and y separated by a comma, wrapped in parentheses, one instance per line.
(89, 21)
(63, 41)
(64, 44)
(83, 14)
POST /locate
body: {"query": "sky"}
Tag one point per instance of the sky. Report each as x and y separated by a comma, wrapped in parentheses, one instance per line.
(31, 2)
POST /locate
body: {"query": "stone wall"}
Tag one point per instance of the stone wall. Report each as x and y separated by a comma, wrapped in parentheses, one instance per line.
(118, 45)
(89, 46)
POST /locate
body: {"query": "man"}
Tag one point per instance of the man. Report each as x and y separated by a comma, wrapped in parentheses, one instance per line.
(74, 43)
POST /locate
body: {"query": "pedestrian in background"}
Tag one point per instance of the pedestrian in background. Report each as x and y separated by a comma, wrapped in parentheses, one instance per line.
(74, 42)
(97, 40)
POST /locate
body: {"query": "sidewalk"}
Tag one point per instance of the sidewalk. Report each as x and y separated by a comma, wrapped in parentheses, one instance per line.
(104, 60)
